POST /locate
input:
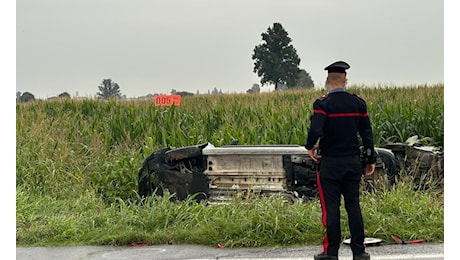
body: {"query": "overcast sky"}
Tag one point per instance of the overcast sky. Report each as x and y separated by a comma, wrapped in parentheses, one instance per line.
(150, 46)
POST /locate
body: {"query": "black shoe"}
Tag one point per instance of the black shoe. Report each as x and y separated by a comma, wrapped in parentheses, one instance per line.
(322, 256)
(363, 256)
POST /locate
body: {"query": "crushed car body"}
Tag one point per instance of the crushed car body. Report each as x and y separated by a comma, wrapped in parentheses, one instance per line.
(218, 174)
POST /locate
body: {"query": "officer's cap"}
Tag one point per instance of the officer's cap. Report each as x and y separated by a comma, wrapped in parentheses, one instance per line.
(337, 67)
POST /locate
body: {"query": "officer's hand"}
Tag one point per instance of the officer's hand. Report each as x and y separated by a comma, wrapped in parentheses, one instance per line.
(314, 153)
(370, 168)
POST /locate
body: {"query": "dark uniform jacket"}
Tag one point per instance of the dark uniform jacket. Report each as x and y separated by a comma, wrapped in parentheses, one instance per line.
(337, 119)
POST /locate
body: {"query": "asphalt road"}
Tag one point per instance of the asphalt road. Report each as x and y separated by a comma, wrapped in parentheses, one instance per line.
(423, 251)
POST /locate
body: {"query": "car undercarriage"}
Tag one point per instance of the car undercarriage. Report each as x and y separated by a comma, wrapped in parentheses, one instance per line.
(218, 174)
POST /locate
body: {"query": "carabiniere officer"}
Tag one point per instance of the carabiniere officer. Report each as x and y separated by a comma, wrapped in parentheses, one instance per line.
(338, 118)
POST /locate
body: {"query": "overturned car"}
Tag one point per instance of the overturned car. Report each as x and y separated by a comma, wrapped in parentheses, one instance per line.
(217, 174)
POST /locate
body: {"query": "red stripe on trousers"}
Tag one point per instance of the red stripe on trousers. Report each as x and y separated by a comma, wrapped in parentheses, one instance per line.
(323, 211)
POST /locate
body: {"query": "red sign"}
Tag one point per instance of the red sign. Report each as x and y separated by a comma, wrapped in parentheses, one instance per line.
(167, 100)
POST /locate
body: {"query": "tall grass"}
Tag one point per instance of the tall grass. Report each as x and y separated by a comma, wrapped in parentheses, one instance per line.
(78, 159)
(258, 222)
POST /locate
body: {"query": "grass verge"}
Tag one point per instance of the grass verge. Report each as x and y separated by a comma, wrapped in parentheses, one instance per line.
(254, 222)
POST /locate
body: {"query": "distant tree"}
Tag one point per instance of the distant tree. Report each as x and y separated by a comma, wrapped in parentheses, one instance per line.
(108, 89)
(26, 97)
(64, 95)
(303, 80)
(255, 89)
(282, 87)
(183, 93)
(18, 95)
(275, 59)
(216, 92)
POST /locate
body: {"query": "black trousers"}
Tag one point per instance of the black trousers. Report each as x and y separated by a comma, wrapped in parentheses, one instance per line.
(337, 177)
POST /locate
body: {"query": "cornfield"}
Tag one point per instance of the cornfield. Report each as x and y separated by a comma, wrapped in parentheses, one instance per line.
(66, 147)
